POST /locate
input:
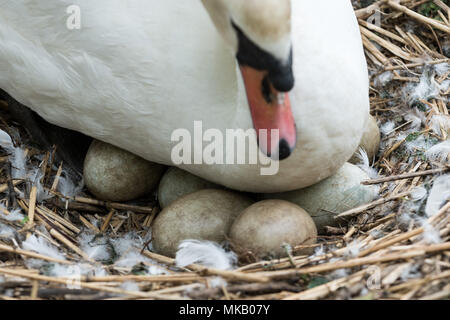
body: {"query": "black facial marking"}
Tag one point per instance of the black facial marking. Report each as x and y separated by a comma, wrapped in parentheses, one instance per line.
(249, 54)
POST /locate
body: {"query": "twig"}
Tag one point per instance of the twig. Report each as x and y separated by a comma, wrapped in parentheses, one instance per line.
(56, 180)
(31, 254)
(407, 254)
(32, 207)
(406, 176)
(373, 204)
(404, 236)
(76, 206)
(109, 205)
(81, 284)
(245, 288)
(107, 220)
(436, 24)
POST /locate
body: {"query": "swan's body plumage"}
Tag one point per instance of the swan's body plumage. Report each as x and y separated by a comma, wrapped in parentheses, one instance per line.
(137, 70)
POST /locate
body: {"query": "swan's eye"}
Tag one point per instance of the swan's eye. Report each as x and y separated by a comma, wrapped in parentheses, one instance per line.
(268, 95)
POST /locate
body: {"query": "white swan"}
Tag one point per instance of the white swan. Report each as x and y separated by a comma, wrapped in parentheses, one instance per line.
(137, 70)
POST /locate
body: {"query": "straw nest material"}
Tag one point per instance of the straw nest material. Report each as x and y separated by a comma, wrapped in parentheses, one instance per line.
(56, 243)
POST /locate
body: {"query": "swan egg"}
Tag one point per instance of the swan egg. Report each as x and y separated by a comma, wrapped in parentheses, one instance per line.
(341, 192)
(202, 215)
(113, 174)
(267, 227)
(176, 183)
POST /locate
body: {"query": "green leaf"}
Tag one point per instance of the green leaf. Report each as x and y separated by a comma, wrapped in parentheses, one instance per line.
(25, 220)
(430, 9)
(413, 136)
(317, 281)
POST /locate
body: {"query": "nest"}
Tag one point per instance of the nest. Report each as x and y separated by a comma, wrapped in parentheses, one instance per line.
(392, 248)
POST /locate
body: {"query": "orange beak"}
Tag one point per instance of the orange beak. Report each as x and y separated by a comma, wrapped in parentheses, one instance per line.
(271, 114)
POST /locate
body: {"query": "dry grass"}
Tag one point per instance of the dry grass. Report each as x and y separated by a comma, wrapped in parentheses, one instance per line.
(378, 255)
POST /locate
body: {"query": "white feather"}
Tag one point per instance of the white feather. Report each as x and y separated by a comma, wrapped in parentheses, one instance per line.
(6, 231)
(354, 248)
(67, 187)
(339, 273)
(5, 140)
(217, 282)
(426, 89)
(130, 286)
(125, 243)
(364, 164)
(16, 156)
(205, 253)
(76, 270)
(14, 215)
(419, 144)
(133, 258)
(42, 246)
(442, 68)
(418, 194)
(416, 117)
(411, 272)
(383, 79)
(376, 234)
(430, 235)
(439, 152)
(19, 168)
(124, 251)
(36, 176)
(319, 251)
(98, 251)
(439, 193)
(440, 122)
(444, 86)
(387, 127)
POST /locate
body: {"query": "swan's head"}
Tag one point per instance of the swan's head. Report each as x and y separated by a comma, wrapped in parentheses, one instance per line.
(259, 33)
